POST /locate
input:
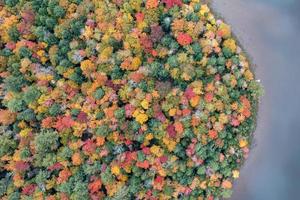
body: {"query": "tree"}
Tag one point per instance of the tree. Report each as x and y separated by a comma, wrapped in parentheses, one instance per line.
(16, 105)
(7, 117)
(7, 142)
(27, 115)
(46, 141)
(14, 83)
(14, 33)
(80, 191)
(120, 113)
(99, 93)
(58, 12)
(24, 52)
(55, 109)
(31, 94)
(11, 3)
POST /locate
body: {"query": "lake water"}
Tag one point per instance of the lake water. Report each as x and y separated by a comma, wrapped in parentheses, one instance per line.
(269, 30)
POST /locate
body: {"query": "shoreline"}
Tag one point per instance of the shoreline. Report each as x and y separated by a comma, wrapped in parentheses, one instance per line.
(268, 32)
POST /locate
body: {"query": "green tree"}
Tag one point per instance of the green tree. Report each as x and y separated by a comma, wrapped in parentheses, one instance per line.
(31, 95)
(55, 109)
(14, 83)
(46, 141)
(99, 93)
(7, 142)
(16, 105)
(14, 33)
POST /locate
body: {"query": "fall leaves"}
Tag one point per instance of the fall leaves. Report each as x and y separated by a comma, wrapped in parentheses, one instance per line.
(76, 159)
(87, 67)
(7, 117)
(64, 122)
(121, 99)
(184, 39)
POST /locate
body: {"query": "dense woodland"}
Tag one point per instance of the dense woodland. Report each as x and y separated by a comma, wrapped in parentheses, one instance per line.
(121, 99)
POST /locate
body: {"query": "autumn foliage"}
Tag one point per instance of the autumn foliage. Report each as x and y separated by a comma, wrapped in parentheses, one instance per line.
(121, 99)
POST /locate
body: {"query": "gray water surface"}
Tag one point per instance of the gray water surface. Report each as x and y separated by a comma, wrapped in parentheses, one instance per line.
(269, 30)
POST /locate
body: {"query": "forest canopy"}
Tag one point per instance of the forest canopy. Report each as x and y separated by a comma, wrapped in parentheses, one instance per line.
(121, 99)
